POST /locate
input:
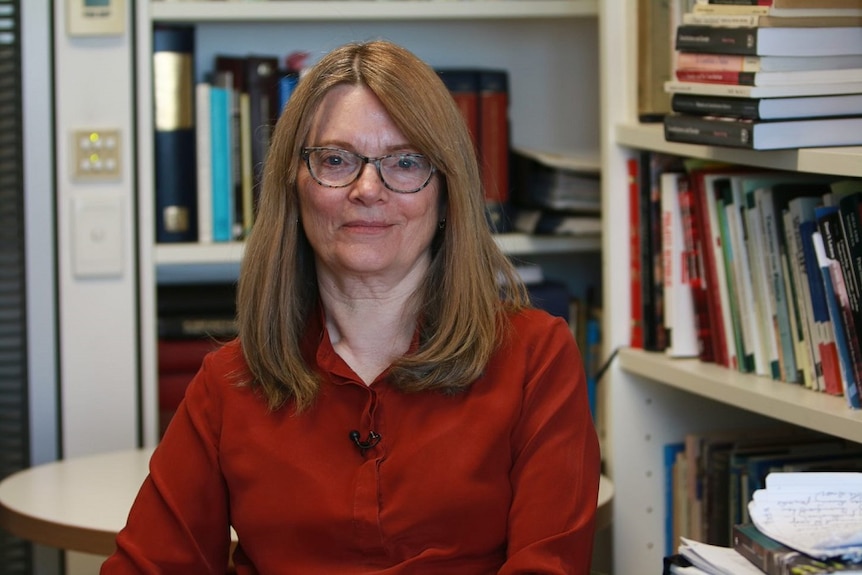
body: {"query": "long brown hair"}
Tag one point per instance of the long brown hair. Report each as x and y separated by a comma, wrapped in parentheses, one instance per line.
(470, 285)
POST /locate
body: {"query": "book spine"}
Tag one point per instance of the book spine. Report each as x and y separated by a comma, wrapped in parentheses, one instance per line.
(824, 337)
(174, 134)
(647, 270)
(680, 323)
(263, 111)
(203, 131)
(778, 293)
(717, 77)
(851, 219)
(747, 108)
(494, 134)
(183, 355)
(222, 164)
(717, 39)
(829, 226)
(742, 2)
(718, 336)
(698, 61)
(692, 271)
(710, 132)
(636, 339)
(831, 273)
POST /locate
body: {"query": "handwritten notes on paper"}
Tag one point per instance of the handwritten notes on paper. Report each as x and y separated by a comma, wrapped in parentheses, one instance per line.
(819, 514)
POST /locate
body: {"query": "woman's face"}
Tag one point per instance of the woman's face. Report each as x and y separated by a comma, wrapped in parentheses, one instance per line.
(364, 230)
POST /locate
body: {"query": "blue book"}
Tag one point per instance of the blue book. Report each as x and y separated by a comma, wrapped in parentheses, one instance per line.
(833, 284)
(174, 135)
(222, 174)
(824, 331)
(671, 450)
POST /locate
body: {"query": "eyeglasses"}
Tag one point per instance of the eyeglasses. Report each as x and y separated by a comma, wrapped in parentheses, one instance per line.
(405, 173)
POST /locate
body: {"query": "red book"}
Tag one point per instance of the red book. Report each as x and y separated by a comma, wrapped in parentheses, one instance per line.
(494, 134)
(717, 338)
(692, 272)
(464, 87)
(637, 326)
(183, 355)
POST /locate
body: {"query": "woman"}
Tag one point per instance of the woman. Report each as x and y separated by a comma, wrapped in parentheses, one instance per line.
(384, 409)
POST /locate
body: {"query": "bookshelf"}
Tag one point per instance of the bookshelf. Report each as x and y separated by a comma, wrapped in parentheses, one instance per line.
(553, 63)
(651, 400)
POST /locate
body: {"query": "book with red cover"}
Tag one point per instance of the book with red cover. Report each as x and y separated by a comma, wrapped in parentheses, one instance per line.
(494, 133)
(714, 339)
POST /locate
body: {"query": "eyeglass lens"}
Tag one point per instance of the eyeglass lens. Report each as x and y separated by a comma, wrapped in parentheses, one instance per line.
(336, 168)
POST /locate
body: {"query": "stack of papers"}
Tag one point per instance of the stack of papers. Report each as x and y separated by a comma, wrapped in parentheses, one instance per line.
(819, 514)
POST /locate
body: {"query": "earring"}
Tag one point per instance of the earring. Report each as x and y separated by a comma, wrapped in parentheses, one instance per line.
(442, 224)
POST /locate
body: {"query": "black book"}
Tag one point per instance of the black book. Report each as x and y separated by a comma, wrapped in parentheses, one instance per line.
(755, 41)
(768, 108)
(763, 135)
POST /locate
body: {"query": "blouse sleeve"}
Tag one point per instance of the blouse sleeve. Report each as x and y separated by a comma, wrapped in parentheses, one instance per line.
(557, 464)
(179, 522)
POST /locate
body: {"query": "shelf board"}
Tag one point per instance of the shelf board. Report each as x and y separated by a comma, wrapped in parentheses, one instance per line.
(342, 10)
(220, 261)
(782, 401)
(844, 161)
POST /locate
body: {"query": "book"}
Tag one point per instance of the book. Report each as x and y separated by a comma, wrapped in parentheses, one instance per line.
(203, 150)
(183, 355)
(232, 71)
(775, 558)
(798, 210)
(761, 134)
(778, 78)
(223, 191)
(768, 108)
(785, 91)
(756, 41)
(741, 63)
(791, 4)
(636, 335)
(482, 96)
(767, 20)
(812, 11)
(494, 134)
(654, 58)
(563, 181)
(839, 312)
(262, 82)
(823, 329)
(679, 310)
(174, 133)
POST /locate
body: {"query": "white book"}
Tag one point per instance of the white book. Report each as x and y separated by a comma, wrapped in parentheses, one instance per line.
(203, 135)
(678, 87)
(679, 317)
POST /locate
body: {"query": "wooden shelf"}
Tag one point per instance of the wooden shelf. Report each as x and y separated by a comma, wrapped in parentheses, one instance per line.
(786, 402)
(845, 161)
(341, 10)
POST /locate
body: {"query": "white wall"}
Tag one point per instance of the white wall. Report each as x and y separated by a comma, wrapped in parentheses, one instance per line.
(97, 315)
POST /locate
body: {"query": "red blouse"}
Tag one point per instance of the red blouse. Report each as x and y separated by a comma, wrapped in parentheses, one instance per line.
(500, 479)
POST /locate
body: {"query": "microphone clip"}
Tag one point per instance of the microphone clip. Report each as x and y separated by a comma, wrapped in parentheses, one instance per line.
(372, 440)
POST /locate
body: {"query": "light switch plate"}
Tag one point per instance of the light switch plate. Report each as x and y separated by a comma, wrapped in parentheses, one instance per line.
(96, 17)
(96, 154)
(97, 236)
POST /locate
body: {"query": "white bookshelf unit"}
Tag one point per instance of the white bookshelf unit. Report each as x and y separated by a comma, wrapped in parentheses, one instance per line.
(651, 400)
(549, 47)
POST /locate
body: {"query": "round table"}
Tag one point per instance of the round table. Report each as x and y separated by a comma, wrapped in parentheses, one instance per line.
(81, 503)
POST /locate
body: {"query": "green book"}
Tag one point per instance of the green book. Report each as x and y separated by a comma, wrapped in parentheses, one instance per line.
(775, 558)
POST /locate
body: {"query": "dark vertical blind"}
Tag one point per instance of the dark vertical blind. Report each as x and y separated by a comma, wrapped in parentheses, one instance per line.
(15, 555)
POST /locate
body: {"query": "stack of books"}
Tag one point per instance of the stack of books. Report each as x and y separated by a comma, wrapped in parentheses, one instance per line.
(803, 523)
(770, 75)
